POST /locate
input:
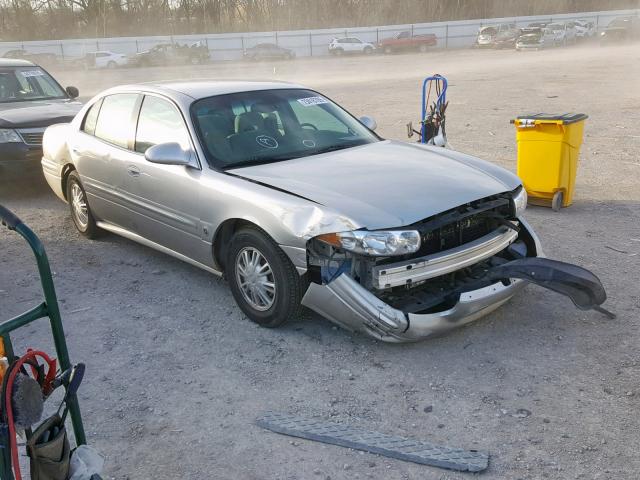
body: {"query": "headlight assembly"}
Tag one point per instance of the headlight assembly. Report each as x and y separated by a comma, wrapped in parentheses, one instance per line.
(377, 243)
(9, 136)
(520, 201)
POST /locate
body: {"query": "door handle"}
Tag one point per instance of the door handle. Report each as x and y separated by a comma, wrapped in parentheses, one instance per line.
(133, 171)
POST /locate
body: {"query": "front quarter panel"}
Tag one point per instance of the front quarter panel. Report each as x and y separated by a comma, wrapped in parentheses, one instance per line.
(288, 219)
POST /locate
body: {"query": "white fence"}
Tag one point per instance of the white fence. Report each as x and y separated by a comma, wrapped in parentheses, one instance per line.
(230, 46)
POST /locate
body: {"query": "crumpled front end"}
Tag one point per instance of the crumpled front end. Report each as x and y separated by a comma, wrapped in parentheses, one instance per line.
(471, 261)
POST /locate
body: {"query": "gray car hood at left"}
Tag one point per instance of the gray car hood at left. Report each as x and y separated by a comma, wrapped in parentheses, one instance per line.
(385, 184)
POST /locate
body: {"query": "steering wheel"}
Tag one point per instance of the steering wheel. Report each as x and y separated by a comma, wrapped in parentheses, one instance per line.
(309, 125)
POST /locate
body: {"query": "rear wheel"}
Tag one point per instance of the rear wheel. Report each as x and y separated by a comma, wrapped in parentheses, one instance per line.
(79, 207)
(263, 281)
(368, 50)
(111, 65)
(423, 48)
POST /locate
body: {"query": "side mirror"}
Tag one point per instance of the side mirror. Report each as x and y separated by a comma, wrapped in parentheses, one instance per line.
(168, 154)
(369, 122)
(72, 92)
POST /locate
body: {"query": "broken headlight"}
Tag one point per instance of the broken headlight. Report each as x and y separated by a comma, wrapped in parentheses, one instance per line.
(520, 201)
(377, 244)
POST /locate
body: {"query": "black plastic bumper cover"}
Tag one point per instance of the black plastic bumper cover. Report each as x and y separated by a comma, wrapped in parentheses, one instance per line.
(583, 288)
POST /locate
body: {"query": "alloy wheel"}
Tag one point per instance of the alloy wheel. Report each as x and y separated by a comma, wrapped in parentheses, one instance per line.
(79, 205)
(255, 279)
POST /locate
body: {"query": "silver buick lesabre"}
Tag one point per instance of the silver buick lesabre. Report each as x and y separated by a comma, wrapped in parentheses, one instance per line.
(299, 204)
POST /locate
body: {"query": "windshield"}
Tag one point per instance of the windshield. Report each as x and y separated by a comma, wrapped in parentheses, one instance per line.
(22, 84)
(265, 126)
(488, 31)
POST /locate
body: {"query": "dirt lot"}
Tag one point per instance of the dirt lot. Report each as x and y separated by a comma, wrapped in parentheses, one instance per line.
(176, 374)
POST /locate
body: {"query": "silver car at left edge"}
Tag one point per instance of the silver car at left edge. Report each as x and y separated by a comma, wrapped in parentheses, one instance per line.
(297, 202)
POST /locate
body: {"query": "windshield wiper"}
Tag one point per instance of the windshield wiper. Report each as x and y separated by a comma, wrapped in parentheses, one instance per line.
(333, 148)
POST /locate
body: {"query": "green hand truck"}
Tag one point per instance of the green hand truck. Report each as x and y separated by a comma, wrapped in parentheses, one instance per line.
(48, 308)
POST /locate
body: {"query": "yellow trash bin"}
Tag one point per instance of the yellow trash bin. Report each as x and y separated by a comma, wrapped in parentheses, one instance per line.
(548, 148)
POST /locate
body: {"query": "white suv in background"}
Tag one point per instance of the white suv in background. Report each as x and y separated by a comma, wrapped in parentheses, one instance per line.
(339, 46)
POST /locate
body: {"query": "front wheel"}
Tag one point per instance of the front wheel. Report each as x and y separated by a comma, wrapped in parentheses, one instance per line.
(263, 281)
(80, 211)
(423, 48)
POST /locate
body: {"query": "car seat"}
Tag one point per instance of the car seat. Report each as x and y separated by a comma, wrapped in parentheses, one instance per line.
(215, 129)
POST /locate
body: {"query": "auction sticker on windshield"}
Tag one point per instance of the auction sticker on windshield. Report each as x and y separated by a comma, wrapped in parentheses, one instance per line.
(32, 73)
(309, 101)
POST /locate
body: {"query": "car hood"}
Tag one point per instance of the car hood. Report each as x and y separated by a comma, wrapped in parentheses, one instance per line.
(385, 184)
(40, 113)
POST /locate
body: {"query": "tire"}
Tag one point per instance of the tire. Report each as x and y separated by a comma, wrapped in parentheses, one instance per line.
(368, 50)
(288, 56)
(273, 306)
(82, 217)
(388, 50)
(339, 52)
(423, 48)
(111, 65)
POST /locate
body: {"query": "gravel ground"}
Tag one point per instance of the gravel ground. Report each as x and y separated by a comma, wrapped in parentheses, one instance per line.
(176, 374)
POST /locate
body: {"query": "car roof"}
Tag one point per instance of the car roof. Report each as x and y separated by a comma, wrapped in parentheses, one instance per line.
(203, 88)
(14, 62)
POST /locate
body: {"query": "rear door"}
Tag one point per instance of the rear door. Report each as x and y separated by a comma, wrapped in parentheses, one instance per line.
(165, 199)
(100, 151)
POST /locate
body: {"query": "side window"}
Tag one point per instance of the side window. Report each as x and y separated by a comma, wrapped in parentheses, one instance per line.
(160, 122)
(91, 118)
(114, 123)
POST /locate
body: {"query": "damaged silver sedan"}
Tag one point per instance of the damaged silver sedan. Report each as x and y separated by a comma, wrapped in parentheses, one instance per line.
(299, 204)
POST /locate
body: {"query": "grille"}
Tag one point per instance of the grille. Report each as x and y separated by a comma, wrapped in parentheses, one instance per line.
(462, 225)
(32, 137)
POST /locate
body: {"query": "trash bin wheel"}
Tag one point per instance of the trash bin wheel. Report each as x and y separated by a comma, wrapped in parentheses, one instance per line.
(556, 203)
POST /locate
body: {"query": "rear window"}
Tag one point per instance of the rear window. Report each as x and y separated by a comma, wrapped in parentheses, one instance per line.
(115, 123)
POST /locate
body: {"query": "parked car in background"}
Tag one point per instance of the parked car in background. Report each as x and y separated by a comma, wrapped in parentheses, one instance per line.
(621, 29)
(564, 35)
(487, 35)
(43, 58)
(506, 38)
(339, 46)
(535, 38)
(30, 101)
(104, 59)
(268, 51)
(584, 29)
(172, 54)
(406, 41)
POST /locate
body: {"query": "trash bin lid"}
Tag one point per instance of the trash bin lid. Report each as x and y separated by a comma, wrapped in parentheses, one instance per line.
(566, 118)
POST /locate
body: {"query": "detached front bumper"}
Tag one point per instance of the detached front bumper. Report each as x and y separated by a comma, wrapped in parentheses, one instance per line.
(346, 303)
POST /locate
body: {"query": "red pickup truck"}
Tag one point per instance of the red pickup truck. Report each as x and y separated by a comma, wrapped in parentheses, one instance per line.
(406, 41)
